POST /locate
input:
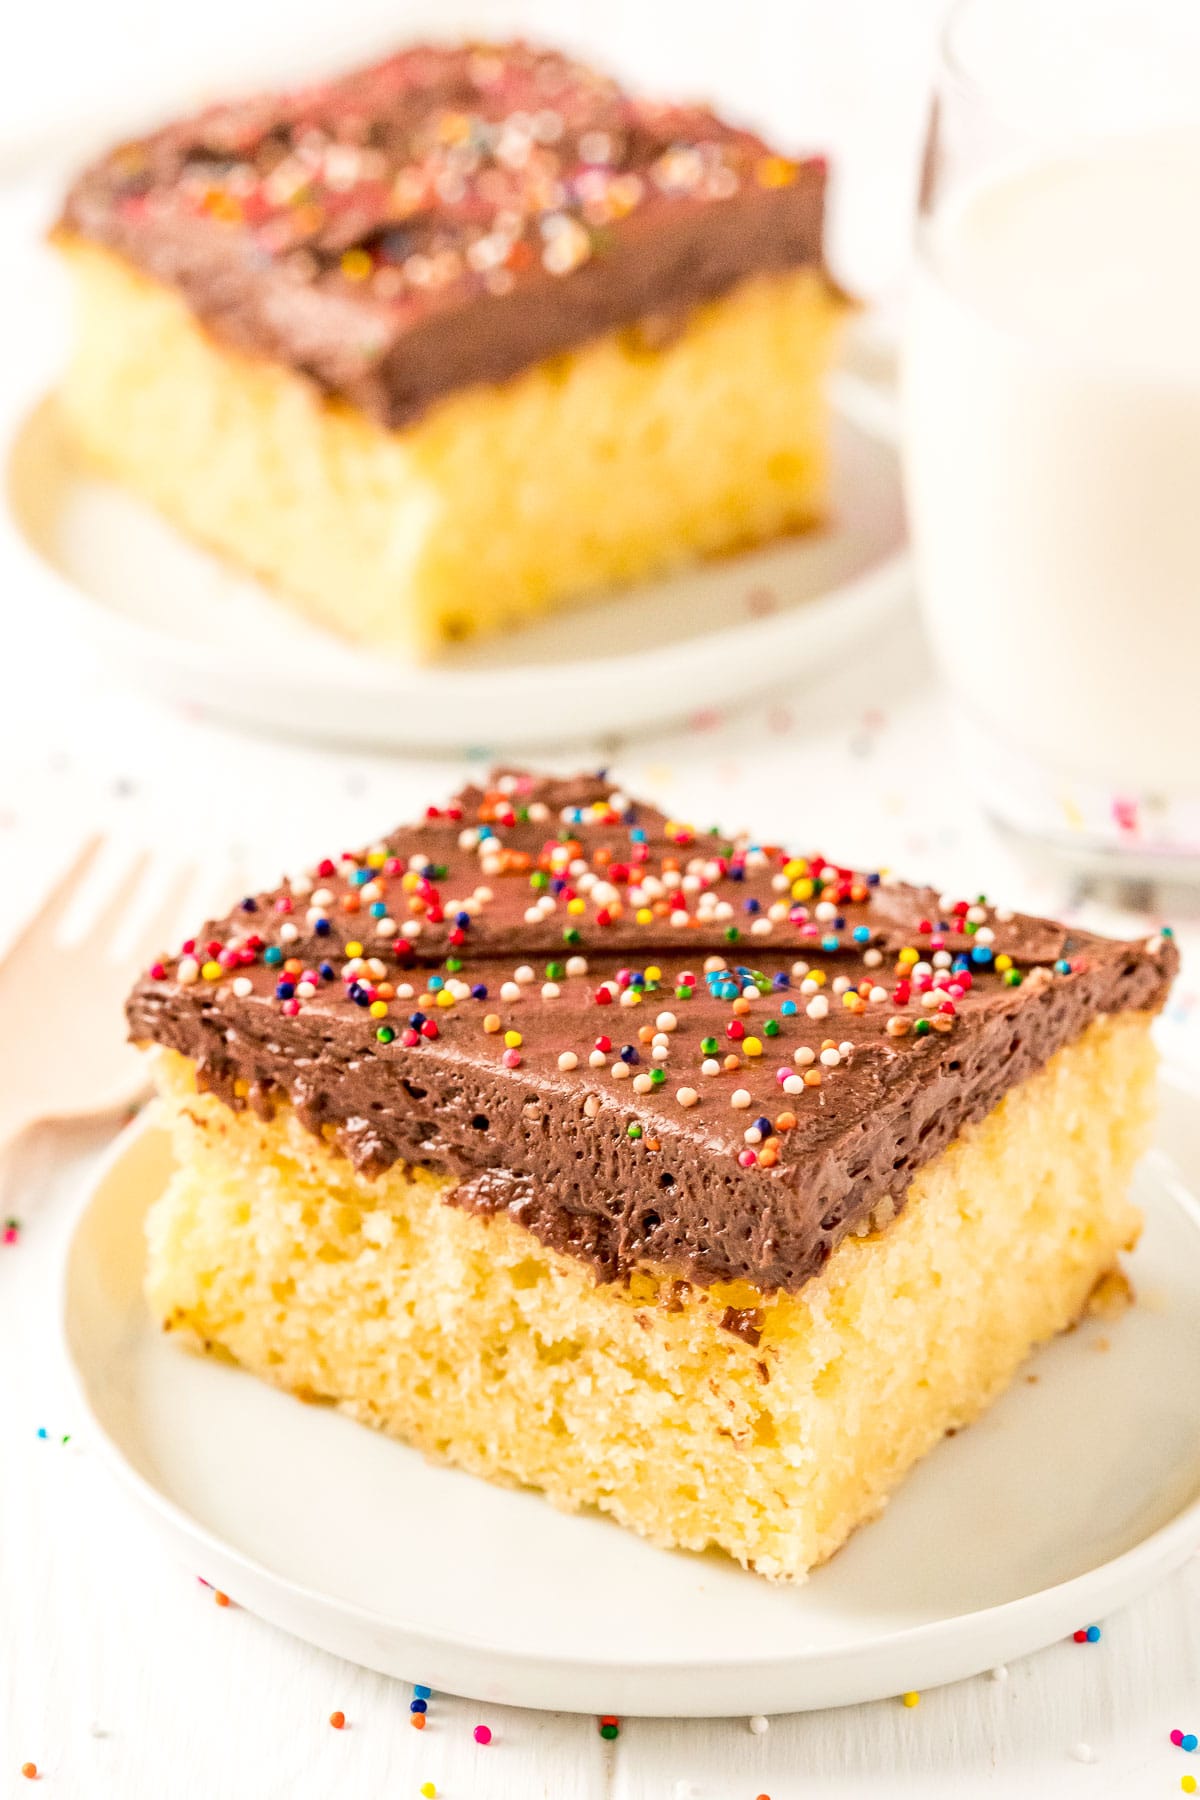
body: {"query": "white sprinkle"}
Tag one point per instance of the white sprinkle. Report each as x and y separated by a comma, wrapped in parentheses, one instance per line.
(550, 990)
(878, 995)
(818, 1007)
(411, 928)
(710, 1066)
(372, 891)
(661, 1041)
(753, 1136)
(659, 1052)
(684, 1790)
(793, 1084)
(759, 1725)
(524, 974)
(841, 984)
(740, 1097)
(872, 958)
(568, 1061)
(577, 965)
(631, 997)
(385, 928)
(826, 910)
(686, 1096)
(243, 986)
(404, 991)
(799, 969)
(642, 1084)
(941, 959)
(666, 1021)
(985, 935)
(322, 897)
(510, 991)
(304, 990)
(483, 895)
(804, 1055)
(533, 915)
(591, 1106)
(468, 839)
(976, 914)
(187, 971)
(831, 1058)
(1003, 914)
(300, 885)
(288, 933)
(713, 963)
(761, 928)
(376, 968)
(620, 1071)
(1000, 1672)
(777, 911)
(1083, 1753)
(598, 1060)
(846, 1047)
(678, 918)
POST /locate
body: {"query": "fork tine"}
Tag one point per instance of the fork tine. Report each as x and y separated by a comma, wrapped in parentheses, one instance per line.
(162, 932)
(45, 923)
(103, 929)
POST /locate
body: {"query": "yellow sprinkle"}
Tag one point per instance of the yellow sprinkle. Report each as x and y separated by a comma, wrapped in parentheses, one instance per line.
(576, 907)
(802, 889)
(212, 971)
(409, 880)
(428, 1790)
(376, 859)
(653, 973)
(912, 1699)
(1188, 1783)
(908, 955)
(775, 172)
(644, 916)
(796, 867)
(445, 998)
(1003, 963)
(817, 975)
(378, 1009)
(513, 1039)
(357, 265)
(354, 949)
(752, 1047)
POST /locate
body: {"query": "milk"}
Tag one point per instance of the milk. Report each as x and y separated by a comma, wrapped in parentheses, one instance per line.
(1052, 413)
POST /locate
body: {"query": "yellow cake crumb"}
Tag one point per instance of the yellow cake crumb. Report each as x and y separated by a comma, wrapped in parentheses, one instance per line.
(617, 461)
(464, 1335)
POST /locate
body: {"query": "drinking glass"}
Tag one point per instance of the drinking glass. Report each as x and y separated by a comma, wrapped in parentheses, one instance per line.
(1051, 400)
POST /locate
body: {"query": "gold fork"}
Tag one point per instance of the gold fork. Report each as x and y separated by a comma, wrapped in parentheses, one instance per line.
(63, 1053)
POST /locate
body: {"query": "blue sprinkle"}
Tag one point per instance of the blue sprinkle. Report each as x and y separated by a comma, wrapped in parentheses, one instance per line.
(273, 955)
(322, 927)
(1062, 967)
(416, 1020)
(463, 919)
(961, 962)
(789, 1009)
(982, 953)
(872, 881)
(422, 1693)
(361, 877)
(830, 942)
(637, 836)
(862, 934)
(479, 991)
(436, 984)
(378, 909)
(41, 1431)
(781, 981)
(417, 1706)
(752, 905)
(284, 990)
(737, 873)
(629, 1054)
(1093, 1634)
(362, 998)
(249, 905)
(326, 971)
(765, 1126)
(637, 979)
(1189, 1741)
(558, 885)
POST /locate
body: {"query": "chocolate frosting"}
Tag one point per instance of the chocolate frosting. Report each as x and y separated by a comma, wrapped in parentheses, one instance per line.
(512, 889)
(445, 217)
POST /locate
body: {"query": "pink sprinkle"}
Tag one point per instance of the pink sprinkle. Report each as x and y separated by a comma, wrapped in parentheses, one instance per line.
(511, 1060)
(291, 1008)
(747, 1158)
(483, 1734)
(11, 1233)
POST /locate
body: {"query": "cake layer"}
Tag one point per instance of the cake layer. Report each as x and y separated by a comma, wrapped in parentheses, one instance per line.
(769, 1425)
(447, 217)
(644, 1043)
(615, 461)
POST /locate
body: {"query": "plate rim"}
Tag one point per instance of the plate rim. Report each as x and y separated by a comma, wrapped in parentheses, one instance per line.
(876, 591)
(1124, 1575)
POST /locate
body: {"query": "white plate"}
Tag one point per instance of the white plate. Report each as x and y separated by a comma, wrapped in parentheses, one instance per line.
(1065, 1501)
(165, 614)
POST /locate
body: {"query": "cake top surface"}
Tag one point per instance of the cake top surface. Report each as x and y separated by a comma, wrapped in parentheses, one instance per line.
(446, 216)
(652, 1043)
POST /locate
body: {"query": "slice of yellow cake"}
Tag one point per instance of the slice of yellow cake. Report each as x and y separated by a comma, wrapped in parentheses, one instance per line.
(456, 338)
(668, 1173)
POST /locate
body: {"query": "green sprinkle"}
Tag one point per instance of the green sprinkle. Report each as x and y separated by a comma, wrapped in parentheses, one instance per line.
(571, 936)
(732, 934)
(539, 879)
(922, 1028)
(454, 964)
(555, 971)
(770, 1027)
(709, 1046)
(385, 1034)
(683, 993)
(658, 1076)
(633, 1131)
(609, 1732)
(1012, 977)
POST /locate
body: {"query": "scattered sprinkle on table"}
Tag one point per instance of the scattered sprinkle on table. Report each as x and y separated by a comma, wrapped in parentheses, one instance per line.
(483, 1734)
(1188, 1783)
(428, 1790)
(29, 1771)
(1083, 1753)
(337, 1720)
(759, 1724)
(911, 1699)
(610, 1726)
(1000, 1672)
(12, 1230)
(1184, 1740)
(220, 1598)
(1087, 1634)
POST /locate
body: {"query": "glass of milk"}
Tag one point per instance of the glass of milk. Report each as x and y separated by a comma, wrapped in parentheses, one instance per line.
(1052, 418)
